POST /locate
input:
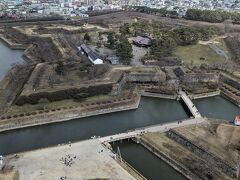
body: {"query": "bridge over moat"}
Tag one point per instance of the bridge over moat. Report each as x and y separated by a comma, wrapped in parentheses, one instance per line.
(161, 127)
(192, 108)
(156, 128)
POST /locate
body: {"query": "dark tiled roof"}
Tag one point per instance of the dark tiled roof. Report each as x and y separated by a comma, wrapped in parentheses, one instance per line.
(89, 52)
(142, 40)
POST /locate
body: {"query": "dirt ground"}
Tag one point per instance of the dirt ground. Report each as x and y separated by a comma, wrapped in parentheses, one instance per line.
(9, 175)
(84, 160)
(220, 139)
(138, 54)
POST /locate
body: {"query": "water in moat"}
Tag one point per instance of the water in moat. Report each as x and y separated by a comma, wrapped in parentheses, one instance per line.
(145, 162)
(7, 58)
(217, 107)
(151, 111)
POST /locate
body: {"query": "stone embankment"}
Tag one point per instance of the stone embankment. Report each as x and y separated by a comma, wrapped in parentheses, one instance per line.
(26, 55)
(13, 45)
(158, 95)
(124, 164)
(204, 95)
(212, 159)
(231, 97)
(178, 167)
(67, 113)
(230, 88)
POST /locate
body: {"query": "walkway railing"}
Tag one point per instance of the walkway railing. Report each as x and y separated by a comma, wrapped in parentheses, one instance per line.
(189, 104)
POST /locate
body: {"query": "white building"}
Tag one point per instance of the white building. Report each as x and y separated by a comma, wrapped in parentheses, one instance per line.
(92, 56)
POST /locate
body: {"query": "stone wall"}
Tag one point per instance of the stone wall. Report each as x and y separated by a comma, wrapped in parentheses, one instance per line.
(118, 87)
(165, 61)
(197, 82)
(230, 82)
(166, 159)
(150, 77)
(204, 154)
(144, 77)
(200, 77)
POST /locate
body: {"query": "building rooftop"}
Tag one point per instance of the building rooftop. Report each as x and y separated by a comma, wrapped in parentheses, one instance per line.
(89, 52)
(142, 40)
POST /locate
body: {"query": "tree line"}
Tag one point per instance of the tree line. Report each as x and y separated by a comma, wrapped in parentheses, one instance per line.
(183, 36)
(121, 44)
(162, 11)
(164, 40)
(213, 16)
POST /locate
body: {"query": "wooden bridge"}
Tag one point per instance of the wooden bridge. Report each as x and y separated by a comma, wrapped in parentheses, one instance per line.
(189, 104)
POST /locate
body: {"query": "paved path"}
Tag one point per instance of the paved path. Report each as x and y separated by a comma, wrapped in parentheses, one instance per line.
(219, 51)
(156, 128)
(189, 104)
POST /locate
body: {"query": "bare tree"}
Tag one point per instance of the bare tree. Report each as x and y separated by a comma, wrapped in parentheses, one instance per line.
(43, 102)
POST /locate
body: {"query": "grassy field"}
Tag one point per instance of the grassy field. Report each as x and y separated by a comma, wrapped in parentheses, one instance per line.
(197, 54)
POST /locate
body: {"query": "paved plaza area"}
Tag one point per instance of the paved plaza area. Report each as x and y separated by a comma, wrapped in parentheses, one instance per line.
(81, 160)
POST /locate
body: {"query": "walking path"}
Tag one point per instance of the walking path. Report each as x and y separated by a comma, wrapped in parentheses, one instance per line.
(156, 128)
(189, 104)
(219, 51)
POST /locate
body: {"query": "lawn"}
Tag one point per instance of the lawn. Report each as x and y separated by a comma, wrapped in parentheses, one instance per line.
(197, 54)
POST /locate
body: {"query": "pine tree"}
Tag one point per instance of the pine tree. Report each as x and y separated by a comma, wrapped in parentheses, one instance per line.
(124, 50)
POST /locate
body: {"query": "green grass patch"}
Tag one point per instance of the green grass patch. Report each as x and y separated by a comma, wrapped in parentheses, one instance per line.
(197, 54)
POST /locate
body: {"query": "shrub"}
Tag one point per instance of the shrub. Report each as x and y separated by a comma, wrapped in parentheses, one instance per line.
(33, 113)
(21, 115)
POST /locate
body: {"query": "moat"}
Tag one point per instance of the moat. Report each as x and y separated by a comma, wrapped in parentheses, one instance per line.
(145, 162)
(7, 58)
(151, 111)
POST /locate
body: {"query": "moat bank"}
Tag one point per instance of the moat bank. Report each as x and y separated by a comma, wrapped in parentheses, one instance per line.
(8, 57)
(151, 111)
(145, 162)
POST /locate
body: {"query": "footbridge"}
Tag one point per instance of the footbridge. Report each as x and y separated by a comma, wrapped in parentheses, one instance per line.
(189, 104)
(156, 128)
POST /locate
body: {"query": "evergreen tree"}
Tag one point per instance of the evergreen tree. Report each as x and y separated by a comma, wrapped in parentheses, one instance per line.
(163, 47)
(59, 68)
(87, 38)
(124, 50)
(111, 40)
(125, 29)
